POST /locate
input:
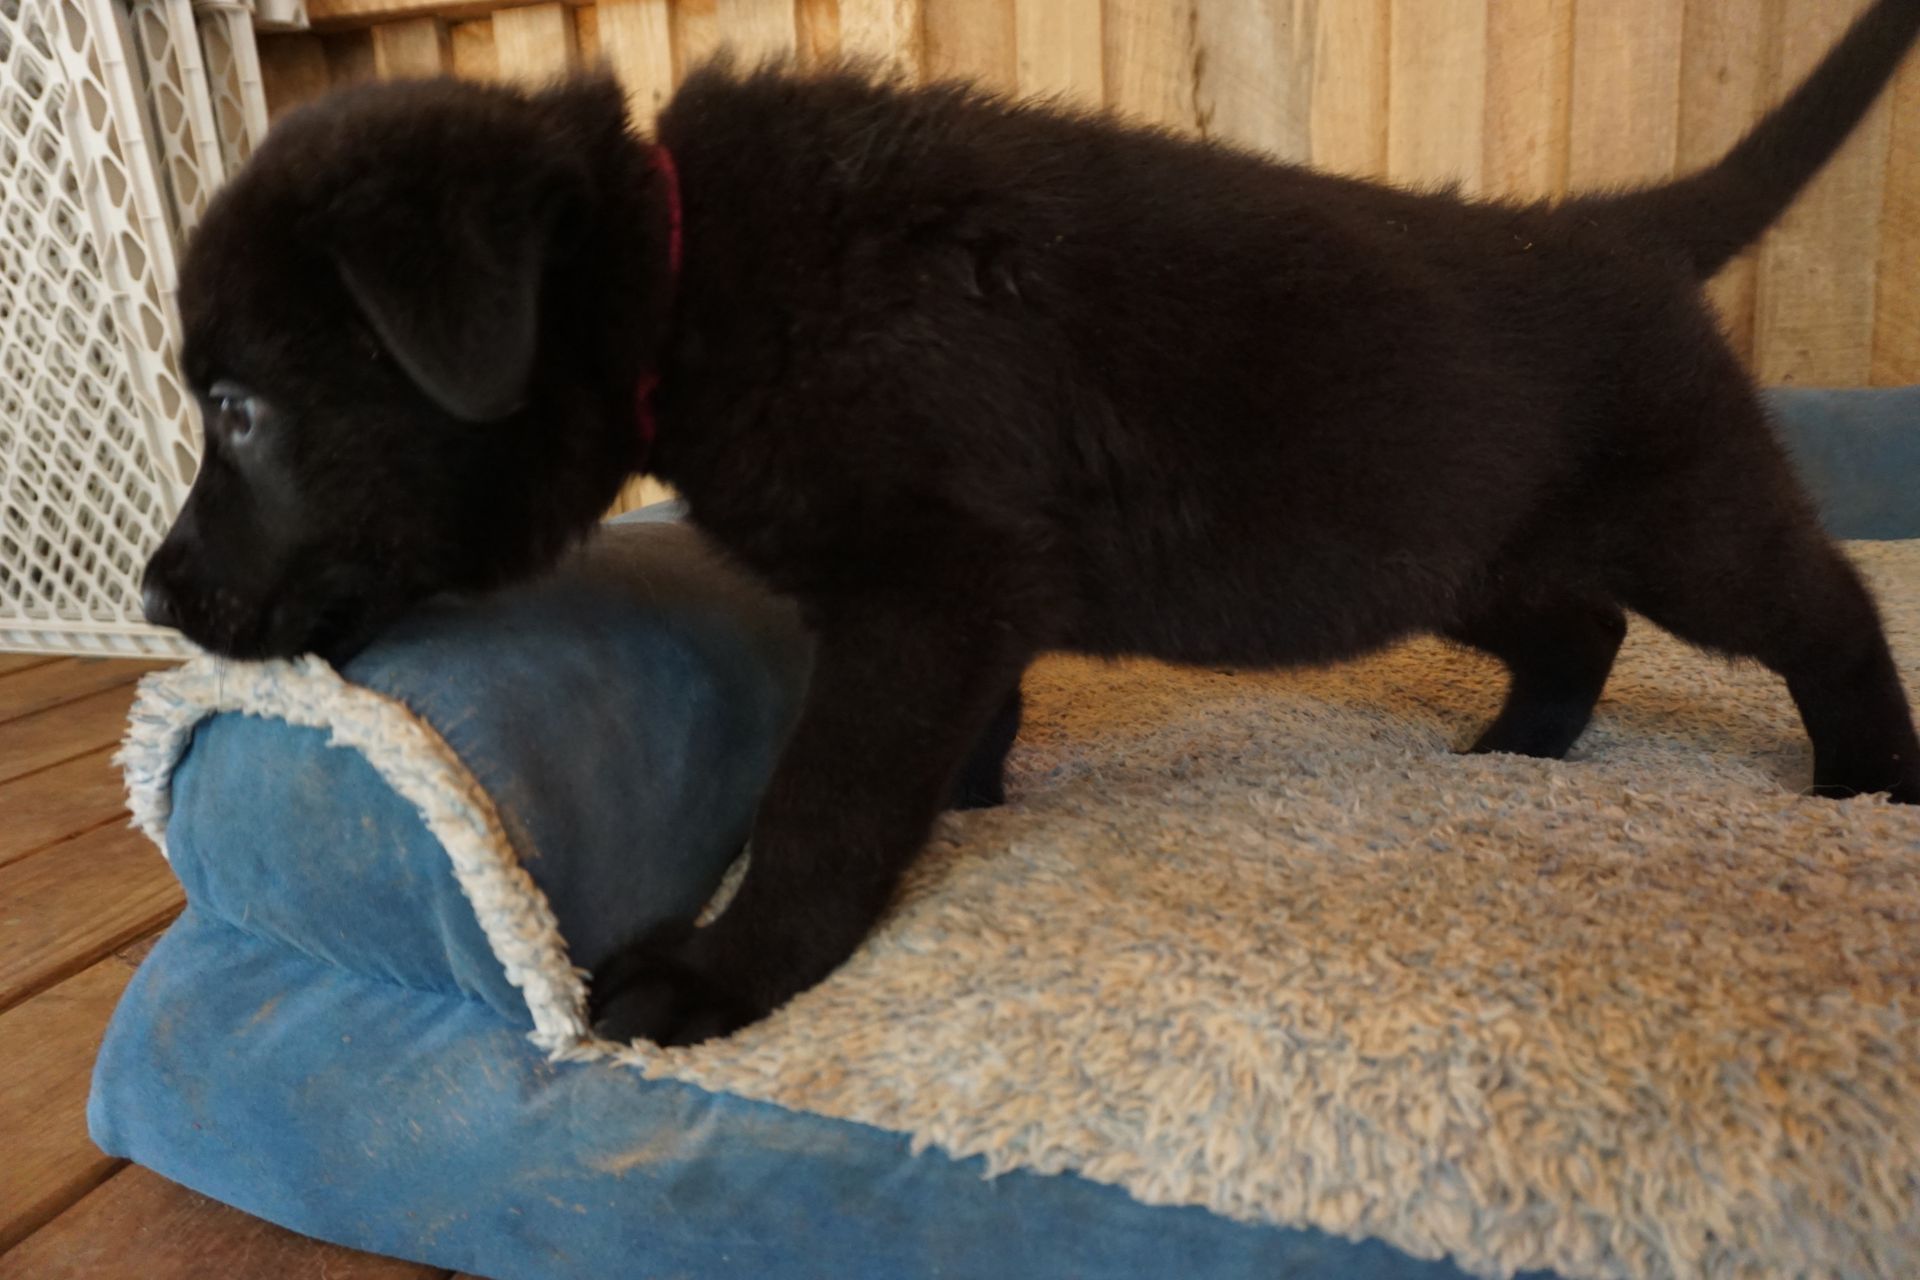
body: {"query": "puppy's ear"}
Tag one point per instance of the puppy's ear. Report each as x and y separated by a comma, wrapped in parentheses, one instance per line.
(456, 300)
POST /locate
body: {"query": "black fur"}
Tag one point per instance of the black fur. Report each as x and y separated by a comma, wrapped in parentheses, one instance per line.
(975, 380)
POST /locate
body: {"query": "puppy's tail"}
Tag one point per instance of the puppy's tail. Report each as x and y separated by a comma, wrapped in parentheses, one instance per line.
(1717, 212)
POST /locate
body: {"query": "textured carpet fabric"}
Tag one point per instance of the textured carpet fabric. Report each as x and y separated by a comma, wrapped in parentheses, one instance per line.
(1264, 943)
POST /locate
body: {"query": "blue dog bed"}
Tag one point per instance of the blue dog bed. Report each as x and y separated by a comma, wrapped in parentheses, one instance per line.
(368, 1023)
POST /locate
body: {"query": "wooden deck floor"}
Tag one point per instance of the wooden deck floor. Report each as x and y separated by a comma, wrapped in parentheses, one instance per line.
(82, 897)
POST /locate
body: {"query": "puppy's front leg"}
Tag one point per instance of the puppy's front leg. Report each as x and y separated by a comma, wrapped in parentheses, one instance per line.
(901, 690)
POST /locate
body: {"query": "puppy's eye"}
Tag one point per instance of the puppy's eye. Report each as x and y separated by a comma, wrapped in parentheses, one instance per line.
(236, 412)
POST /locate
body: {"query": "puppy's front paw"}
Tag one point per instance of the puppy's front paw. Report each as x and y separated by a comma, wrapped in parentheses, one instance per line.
(653, 991)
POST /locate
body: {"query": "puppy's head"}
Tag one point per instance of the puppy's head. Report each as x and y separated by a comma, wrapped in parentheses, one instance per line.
(413, 323)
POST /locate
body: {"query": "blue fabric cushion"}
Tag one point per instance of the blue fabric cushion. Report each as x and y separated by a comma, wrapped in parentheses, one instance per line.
(423, 1125)
(1859, 454)
(622, 715)
(327, 1039)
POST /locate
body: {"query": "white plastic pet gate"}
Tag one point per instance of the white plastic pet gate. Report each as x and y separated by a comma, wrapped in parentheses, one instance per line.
(117, 122)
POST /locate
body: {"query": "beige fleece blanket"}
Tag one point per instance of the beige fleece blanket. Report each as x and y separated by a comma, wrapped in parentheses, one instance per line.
(1264, 943)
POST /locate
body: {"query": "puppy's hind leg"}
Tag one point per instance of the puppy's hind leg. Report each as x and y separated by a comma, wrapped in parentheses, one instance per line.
(1558, 649)
(1802, 611)
(1734, 560)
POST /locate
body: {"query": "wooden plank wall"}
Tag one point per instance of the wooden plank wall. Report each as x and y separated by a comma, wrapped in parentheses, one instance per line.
(1514, 97)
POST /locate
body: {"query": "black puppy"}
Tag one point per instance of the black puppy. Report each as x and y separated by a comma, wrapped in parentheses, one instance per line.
(974, 380)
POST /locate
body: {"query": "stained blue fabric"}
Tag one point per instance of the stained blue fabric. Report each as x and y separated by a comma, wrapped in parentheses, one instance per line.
(623, 715)
(349, 874)
(423, 1125)
(324, 1039)
(1859, 453)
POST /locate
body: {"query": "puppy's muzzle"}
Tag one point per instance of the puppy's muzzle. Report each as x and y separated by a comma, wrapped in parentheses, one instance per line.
(157, 603)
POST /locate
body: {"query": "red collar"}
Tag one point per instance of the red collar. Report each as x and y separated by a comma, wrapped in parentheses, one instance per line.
(650, 380)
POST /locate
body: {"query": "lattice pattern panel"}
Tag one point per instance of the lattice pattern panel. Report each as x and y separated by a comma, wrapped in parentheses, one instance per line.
(96, 445)
(233, 80)
(178, 104)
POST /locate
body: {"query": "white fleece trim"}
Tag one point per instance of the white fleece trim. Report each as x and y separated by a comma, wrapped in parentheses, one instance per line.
(414, 760)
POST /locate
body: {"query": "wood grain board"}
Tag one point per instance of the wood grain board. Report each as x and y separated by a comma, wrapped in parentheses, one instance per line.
(1727, 49)
(413, 47)
(67, 906)
(46, 685)
(971, 40)
(346, 15)
(586, 34)
(60, 733)
(1253, 75)
(1896, 321)
(757, 29)
(636, 41)
(1059, 50)
(139, 1226)
(1814, 303)
(1351, 52)
(535, 44)
(293, 70)
(888, 31)
(1437, 92)
(1625, 124)
(472, 49)
(56, 803)
(59, 720)
(350, 58)
(46, 1059)
(696, 34)
(1529, 96)
(1148, 51)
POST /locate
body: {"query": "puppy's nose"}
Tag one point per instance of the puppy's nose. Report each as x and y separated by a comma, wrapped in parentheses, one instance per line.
(157, 605)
